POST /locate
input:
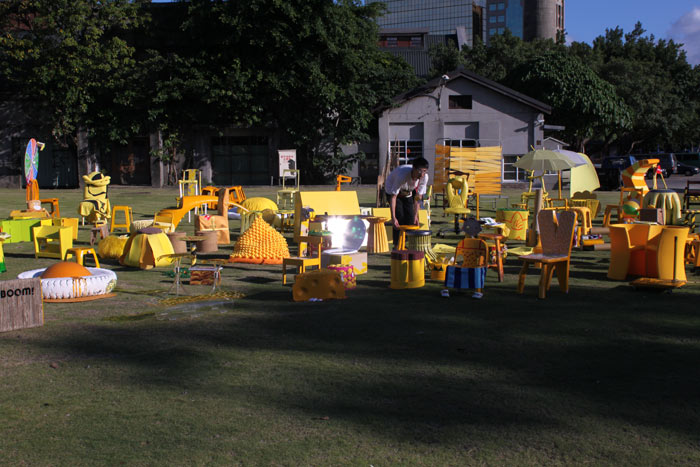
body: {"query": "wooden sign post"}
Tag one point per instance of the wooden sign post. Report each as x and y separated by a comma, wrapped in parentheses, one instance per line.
(20, 304)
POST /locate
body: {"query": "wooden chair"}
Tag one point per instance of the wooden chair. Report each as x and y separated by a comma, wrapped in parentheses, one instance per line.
(556, 232)
(302, 262)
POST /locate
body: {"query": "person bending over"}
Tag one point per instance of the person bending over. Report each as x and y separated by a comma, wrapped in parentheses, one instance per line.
(404, 188)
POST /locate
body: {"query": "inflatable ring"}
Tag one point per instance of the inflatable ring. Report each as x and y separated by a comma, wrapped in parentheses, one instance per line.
(100, 283)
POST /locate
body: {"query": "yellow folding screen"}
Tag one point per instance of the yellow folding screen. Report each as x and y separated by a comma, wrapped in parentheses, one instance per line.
(482, 164)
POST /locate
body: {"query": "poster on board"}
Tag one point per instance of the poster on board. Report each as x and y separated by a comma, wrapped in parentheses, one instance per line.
(288, 160)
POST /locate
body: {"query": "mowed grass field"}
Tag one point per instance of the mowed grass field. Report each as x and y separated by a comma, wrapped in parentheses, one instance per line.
(605, 374)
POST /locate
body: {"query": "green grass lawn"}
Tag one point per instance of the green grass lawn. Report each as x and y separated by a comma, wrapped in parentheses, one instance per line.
(602, 375)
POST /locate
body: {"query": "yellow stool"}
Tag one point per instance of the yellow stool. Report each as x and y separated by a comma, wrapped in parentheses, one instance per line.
(128, 216)
(402, 237)
(80, 252)
(407, 269)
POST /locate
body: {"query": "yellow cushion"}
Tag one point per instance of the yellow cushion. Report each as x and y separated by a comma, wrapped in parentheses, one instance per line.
(259, 204)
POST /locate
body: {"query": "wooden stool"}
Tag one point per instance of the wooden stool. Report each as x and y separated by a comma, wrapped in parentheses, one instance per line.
(493, 240)
(101, 230)
(128, 216)
(80, 252)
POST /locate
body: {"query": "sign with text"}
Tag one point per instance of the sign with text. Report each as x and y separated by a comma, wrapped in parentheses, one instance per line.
(20, 304)
(288, 160)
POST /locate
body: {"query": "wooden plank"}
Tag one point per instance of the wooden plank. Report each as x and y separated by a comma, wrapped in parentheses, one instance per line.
(20, 304)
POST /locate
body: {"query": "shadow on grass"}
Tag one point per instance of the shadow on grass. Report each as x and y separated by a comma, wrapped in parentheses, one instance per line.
(407, 365)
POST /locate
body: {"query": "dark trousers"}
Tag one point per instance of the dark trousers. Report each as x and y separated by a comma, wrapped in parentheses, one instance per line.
(404, 214)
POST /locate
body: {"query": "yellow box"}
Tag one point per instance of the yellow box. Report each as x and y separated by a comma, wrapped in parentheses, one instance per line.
(357, 260)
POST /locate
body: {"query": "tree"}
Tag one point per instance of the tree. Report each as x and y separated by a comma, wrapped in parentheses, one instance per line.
(504, 53)
(656, 83)
(317, 71)
(444, 58)
(584, 103)
(63, 57)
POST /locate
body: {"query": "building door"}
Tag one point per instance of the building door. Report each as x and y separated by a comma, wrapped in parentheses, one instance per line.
(240, 160)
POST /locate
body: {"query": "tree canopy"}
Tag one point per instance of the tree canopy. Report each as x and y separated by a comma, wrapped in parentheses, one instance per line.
(66, 58)
(310, 68)
(629, 89)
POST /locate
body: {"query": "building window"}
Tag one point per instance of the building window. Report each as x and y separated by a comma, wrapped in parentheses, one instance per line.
(501, 6)
(501, 19)
(501, 30)
(416, 41)
(510, 172)
(392, 41)
(492, 32)
(460, 102)
(461, 143)
(492, 19)
(406, 150)
(492, 7)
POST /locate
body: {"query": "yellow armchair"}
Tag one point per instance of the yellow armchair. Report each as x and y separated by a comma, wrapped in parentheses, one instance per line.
(52, 241)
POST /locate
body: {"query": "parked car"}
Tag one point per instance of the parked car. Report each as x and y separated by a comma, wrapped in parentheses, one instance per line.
(667, 162)
(687, 169)
(689, 158)
(610, 170)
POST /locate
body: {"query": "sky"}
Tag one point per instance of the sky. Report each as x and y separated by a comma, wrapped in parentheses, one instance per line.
(670, 19)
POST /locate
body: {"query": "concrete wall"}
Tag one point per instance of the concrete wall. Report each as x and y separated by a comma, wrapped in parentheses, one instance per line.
(495, 119)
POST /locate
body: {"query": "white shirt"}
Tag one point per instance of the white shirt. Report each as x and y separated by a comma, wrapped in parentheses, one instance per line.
(400, 179)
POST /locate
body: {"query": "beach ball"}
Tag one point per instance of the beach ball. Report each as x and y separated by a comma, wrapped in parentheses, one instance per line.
(630, 207)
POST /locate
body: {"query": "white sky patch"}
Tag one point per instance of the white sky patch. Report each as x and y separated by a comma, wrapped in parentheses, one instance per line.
(687, 31)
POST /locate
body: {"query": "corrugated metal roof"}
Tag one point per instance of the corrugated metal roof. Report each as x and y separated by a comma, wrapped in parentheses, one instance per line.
(417, 58)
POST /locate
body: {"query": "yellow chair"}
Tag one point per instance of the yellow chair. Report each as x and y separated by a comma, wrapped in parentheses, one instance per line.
(457, 194)
(219, 222)
(587, 199)
(128, 217)
(236, 194)
(52, 241)
(664, 259)
(210, 191)
(190, 185)
(632, 193)
(164, 222)
(557, 234)
(285, 196)
(303, 262)
(53, 202)
(628, 249)
(95, 205)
